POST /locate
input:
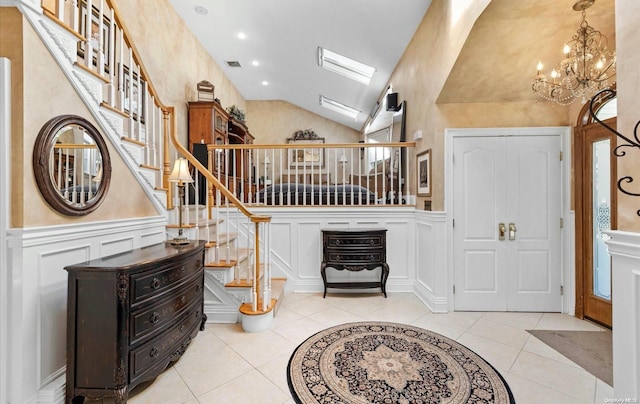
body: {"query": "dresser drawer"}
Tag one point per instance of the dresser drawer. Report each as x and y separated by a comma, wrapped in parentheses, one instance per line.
(159, 350)
(354, 256)
(150, 321)
(350, 241)
(146, 285)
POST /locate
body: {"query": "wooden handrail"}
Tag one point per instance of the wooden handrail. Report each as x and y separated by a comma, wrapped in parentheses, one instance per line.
(307, 146)
(209, 176)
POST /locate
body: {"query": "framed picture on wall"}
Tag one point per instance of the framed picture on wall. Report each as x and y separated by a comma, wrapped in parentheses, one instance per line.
(307, 155)
(423, 173)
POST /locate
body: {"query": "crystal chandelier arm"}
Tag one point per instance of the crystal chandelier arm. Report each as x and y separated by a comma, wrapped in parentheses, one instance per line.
(599, 78)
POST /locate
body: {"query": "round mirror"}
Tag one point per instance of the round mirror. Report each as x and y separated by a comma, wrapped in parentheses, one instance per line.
(71, 165)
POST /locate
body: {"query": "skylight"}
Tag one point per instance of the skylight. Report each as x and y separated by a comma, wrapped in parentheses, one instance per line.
(338, 107)
(345, 66)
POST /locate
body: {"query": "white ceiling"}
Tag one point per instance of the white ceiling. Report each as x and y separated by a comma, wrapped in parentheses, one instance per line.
(284, 36)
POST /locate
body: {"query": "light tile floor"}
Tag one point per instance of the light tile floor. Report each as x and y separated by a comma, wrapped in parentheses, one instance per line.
(226, 365)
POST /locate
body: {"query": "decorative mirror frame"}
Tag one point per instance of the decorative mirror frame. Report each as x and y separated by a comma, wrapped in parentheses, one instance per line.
(42, 156)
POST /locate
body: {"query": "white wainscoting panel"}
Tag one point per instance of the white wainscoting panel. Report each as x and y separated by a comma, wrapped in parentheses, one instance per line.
(432, 277)
(38, 294)
(624, 248)
(297, 244)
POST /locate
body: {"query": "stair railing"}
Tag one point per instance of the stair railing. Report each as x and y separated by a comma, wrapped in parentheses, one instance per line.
(106, 52)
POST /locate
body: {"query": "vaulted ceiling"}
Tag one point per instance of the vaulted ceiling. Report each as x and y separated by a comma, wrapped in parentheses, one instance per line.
(496, 64)
(283, 36)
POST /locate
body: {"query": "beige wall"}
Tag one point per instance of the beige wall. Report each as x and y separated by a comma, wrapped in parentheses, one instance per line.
(628, 60)
(272, 122)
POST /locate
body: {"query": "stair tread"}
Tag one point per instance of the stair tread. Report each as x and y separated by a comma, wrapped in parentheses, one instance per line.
(177, 226)
(221, 264)
(247, 310)
(222, 240)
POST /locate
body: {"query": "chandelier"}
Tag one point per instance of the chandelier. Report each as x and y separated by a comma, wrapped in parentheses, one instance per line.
(586, 68)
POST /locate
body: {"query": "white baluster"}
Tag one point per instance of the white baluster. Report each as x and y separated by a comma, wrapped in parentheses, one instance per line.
(101, 39)
(121, 72)
(138, 110)
(88, 28)
(129, 95)
(151, 127)
(112, 60)
(60, 11)
(75, 15)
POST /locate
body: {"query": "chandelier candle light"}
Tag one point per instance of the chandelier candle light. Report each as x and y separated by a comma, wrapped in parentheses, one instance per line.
(586, 68)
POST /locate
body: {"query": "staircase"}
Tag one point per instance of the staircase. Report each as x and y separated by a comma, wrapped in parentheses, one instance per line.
(109, 77)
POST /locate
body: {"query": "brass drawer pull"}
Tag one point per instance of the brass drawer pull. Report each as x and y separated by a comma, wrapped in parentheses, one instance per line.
(154, 318)
(183, 299)
(155, 283)
(154, 352)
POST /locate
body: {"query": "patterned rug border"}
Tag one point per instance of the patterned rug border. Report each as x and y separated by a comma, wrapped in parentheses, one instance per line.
(383, 324)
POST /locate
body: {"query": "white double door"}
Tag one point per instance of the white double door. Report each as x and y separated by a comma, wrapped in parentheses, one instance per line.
(507, 223)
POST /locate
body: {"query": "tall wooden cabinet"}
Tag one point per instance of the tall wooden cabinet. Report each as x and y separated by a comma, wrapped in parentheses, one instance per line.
(210, 124)
(129, 315)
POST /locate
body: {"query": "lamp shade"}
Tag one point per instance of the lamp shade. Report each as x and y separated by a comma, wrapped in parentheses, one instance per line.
(180, 171)
(266, 160)
(343, 158)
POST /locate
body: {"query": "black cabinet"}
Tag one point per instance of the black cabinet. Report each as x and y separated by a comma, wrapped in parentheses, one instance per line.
(129, 315)
(355, 250)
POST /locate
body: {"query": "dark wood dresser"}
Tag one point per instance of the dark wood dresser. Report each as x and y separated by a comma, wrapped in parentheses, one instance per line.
(355, 250)
(129, 315)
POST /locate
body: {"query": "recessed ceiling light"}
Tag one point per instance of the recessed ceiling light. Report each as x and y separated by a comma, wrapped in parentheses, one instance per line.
(345, 66)
(201, 10)
(265, 83)
(338, 107)
(241, 35)
(255, 63)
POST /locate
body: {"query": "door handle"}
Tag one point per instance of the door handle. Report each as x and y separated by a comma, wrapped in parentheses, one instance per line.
(501, 231)
(512, 231)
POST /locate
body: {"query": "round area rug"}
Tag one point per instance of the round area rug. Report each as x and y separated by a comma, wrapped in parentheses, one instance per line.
(380, 362)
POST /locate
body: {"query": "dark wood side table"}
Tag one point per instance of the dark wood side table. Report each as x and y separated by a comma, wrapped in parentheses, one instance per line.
(355, 250)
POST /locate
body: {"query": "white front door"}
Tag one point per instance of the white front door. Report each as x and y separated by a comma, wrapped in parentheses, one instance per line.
(507, 212)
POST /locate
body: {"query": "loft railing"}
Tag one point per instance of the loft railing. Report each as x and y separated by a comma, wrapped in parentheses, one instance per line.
(105, 51)
(306, 174)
